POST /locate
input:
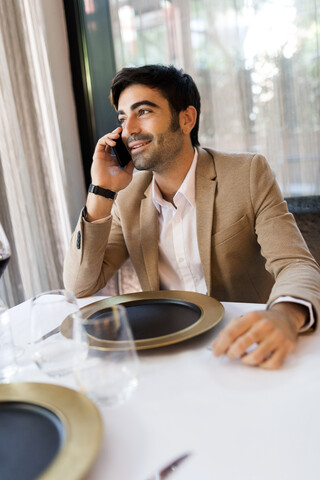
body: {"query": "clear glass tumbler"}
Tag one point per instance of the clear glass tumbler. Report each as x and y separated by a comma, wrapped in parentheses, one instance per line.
(54, 353)
(108, 374)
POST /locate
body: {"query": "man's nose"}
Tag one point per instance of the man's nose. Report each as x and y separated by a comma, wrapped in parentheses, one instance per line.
(131, 126)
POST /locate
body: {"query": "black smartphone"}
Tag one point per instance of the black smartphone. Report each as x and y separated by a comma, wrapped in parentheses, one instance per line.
(122, 154)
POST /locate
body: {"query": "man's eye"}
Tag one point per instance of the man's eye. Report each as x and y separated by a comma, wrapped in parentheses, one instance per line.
(121, 120)
(143, 111)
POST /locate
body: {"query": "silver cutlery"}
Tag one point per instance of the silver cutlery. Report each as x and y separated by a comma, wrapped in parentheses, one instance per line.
(169, 468)
(47, 335)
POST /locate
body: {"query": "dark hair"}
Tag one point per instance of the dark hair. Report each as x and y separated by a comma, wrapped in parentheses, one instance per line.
(177, 87)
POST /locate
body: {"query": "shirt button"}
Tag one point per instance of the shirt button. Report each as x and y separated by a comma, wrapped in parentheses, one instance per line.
(180, 260)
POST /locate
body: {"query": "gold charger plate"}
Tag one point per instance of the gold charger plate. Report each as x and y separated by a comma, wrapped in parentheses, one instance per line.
(210, 313)
(80, 419)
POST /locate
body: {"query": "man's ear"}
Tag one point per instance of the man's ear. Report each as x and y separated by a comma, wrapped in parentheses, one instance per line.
(188, 118)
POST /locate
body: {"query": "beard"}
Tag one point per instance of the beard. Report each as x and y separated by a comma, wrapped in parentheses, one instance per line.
(162, 151)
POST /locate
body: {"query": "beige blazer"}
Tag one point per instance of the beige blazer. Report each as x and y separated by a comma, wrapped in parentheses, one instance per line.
(250, 247)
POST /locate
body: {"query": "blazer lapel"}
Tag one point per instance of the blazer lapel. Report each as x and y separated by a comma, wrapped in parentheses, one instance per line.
(150, 238)
(205, 197)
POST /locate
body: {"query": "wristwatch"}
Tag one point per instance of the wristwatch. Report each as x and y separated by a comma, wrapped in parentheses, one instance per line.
(102, 191)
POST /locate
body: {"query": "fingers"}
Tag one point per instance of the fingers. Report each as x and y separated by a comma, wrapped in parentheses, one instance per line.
(236, 328)
(267, 330)
(105, 169)
(255, 334)
(275, 360)
(270, 353)
(108, 140)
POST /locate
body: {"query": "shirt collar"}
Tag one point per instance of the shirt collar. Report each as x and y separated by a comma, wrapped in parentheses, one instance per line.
(186, 189)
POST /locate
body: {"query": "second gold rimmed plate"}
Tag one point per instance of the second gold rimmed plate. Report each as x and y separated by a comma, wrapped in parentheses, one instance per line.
(159, 318)
(45, 432)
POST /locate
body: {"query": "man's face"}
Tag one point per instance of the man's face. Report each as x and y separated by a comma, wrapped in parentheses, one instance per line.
(149, 130)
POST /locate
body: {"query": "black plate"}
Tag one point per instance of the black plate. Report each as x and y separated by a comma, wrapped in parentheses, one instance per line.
(30, 438)
(158, 318)
(155, 318)
(44, 432)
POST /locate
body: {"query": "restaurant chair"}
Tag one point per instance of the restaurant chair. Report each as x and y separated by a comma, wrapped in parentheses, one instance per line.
(306, 211)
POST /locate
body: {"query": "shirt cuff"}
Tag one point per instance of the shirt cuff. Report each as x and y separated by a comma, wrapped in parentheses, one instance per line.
(310, 321)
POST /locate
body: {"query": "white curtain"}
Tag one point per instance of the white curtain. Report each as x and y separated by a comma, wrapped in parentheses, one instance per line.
(41, 182)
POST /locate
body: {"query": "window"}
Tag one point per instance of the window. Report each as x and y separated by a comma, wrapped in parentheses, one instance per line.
(257, 66)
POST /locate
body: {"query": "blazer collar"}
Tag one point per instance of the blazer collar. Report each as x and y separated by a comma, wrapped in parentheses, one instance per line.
(205, 198)
(150, 237)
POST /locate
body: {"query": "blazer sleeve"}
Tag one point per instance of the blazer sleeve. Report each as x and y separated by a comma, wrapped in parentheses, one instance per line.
(96, 252)
(288, 258)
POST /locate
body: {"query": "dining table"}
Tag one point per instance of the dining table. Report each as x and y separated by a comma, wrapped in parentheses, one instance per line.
(236, 422)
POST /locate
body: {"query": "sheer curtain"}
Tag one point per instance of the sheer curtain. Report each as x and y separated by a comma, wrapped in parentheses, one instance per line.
(257, 66)
(41, 183)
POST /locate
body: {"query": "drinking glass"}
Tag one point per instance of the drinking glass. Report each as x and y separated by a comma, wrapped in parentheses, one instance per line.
(5, 251)
(8, 364)
(108, 375)
(53, 352)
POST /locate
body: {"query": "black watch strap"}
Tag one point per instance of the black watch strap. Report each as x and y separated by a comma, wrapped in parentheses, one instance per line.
(102, 191)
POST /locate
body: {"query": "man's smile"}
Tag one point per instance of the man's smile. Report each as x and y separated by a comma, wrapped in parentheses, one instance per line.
(138, 145)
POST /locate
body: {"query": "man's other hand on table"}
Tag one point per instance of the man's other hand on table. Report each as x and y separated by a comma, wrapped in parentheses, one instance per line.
(273, 332)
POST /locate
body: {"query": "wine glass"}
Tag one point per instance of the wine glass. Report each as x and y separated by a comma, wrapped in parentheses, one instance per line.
(5, 251)
(108, 375)
(53, 352)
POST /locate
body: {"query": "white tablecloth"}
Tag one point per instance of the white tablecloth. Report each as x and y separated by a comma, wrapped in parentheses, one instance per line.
(240, 423)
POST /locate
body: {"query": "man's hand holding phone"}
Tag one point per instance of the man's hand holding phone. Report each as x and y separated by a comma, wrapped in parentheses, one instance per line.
(107, 173)
(106, 170)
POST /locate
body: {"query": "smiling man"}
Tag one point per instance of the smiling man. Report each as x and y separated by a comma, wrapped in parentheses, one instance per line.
(193, 219)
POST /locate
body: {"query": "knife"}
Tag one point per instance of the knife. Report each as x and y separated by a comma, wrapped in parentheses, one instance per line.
(47, 335)
(170, 468)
